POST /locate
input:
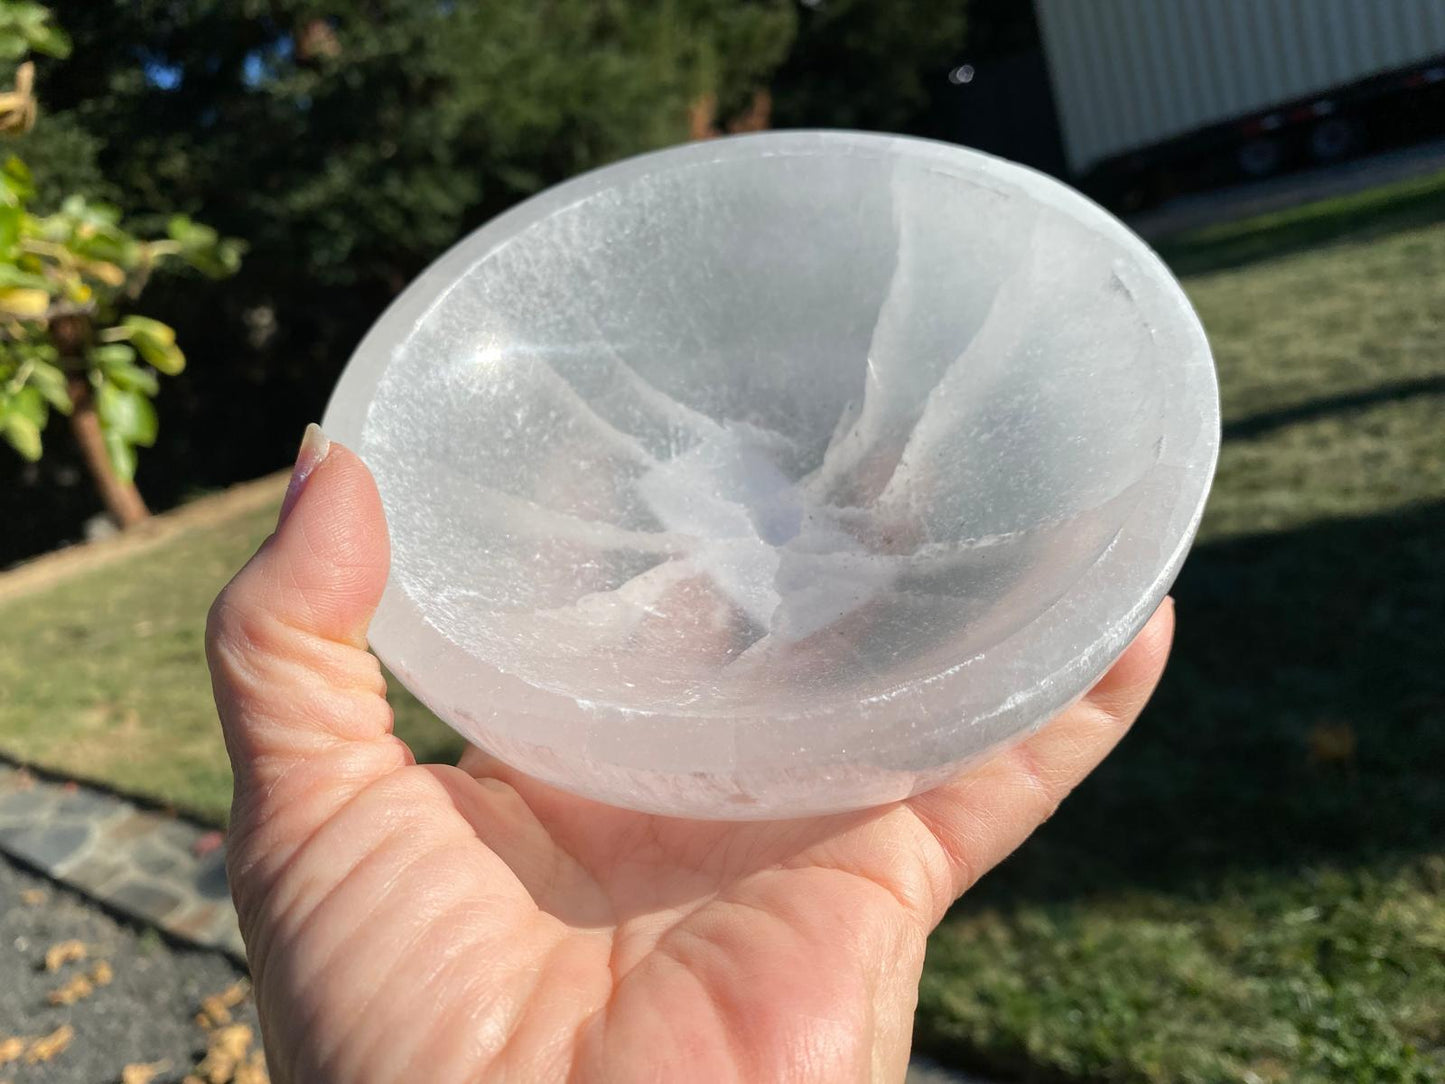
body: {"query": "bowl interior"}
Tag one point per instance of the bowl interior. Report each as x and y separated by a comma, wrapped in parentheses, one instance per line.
(765, 430)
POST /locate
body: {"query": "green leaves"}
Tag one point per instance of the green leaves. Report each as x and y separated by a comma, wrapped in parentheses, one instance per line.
(49, 382)
(16, 183)
(121, 454)
(16, 187)
(127, 420)
(89, 230)
(13, 277)
(123, 389)
(67, 274)
(90, 215)
(204, 249)
(156, 342)
(116, 361)
(21, 433)
(11, 220)
(30, 387)
(26, 28)
(127, 413)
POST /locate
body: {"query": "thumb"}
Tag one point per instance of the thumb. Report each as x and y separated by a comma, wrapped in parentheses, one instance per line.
(302, 702)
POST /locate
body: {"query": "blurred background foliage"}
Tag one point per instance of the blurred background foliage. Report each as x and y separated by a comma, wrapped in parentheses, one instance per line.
(349, 142)
(70, 276)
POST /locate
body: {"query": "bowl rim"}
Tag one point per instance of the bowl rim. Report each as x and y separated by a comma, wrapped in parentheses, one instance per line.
(840, 730)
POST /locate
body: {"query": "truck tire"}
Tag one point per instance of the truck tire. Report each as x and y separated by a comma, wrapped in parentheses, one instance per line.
(1260, 157)
(1334, 138)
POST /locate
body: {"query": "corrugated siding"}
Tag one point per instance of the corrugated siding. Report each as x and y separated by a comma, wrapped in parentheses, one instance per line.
(1127, 73)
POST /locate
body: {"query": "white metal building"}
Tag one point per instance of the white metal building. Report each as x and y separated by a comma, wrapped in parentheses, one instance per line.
(1128, 73)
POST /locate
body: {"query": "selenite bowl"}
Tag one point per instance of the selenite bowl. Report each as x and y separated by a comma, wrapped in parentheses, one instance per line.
(780, 474)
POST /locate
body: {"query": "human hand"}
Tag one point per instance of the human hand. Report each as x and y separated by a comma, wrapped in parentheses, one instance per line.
(411, 922)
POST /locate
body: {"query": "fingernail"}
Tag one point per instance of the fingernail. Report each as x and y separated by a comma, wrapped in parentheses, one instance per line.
(314, 446)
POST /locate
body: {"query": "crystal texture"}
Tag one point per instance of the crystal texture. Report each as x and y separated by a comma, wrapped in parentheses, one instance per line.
(780, 474)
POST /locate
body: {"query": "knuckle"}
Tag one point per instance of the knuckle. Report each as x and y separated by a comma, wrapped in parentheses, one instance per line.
(1051, 785)
(234, 630)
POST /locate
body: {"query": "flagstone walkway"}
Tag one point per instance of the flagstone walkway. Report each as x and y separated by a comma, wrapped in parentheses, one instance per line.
(154, 867)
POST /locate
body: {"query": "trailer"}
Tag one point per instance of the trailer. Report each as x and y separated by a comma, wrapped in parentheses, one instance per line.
(1156, 96)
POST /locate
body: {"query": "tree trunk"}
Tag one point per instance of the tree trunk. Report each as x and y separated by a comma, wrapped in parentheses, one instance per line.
(703, 121)
(71, 334)
(122, 500)
(702, 117)
(759, 114)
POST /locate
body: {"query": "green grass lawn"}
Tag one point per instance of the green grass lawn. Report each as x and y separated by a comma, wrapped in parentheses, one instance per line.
(103, 675)
(1253, 887)
(1237, 894)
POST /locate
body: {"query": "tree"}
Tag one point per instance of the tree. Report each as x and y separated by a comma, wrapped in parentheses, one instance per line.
(865, 64)
(66, 279)
(349, 142)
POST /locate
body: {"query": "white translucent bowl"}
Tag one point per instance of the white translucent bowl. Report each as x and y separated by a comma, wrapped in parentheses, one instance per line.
(780, 474)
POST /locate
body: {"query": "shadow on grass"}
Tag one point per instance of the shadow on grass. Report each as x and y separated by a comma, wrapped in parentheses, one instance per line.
(1360, 216)
(1257, 425)
(1302, 719)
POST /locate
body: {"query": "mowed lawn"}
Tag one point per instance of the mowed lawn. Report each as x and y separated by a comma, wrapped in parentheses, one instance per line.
(103, 676)
(1253, 887)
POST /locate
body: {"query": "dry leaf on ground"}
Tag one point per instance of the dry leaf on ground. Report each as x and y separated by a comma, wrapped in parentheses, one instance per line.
(101, 973)
(216, 1009)
(143, 1072)
(254, 1071)
(48, 1046)
(234, 994)
(231, 1041)
(11, 1048)
(213, 1013)
(62, 953)
(73, 990)
(226, 1049)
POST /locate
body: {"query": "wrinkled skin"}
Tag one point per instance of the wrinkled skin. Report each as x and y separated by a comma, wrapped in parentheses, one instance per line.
(411, 922)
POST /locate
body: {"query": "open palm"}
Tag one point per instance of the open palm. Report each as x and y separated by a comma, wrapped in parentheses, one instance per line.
(411, 922)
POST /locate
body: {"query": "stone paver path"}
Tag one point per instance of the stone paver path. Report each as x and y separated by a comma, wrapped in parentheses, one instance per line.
(151, 866)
